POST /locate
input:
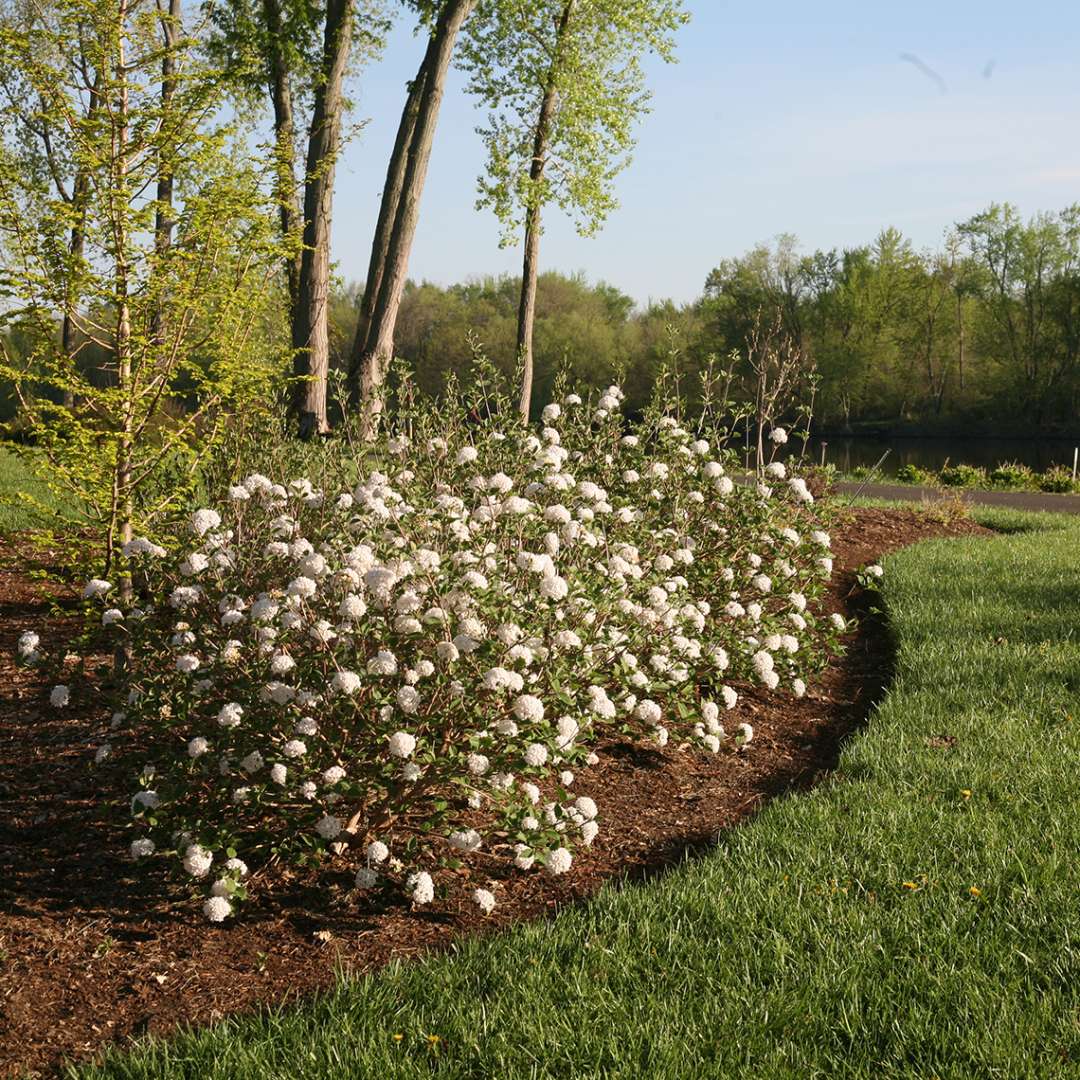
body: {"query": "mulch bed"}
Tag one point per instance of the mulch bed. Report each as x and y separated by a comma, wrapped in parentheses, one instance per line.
(92, 953)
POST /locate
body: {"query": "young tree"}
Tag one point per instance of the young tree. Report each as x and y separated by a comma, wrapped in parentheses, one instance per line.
(299, 54)
(399, 211)
(563, 83)
(168, 289)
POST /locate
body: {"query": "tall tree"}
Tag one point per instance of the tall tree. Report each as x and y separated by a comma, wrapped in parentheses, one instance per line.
(302, 53)
(399, 210)
(171, 30)
(310, 326)
(563, 83)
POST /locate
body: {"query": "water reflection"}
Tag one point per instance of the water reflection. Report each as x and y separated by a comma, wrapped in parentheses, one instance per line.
(931, 454)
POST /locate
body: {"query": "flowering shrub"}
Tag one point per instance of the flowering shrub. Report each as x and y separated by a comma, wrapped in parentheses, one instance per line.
(412, 670)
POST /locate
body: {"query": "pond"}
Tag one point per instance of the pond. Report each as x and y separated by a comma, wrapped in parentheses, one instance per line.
(931, 453)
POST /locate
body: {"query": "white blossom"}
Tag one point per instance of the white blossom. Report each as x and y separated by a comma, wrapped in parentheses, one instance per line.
(345, 682)
(197, 746)
(202, 521)
(558, 860)
(329, 827)
(197, 860)
(217, 908)
(420, 887)
(529, 709)
(401, 744)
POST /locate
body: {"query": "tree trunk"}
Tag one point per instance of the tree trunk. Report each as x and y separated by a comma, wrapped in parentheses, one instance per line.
(527, 303)
(68, 340)
(530, 265)
(960, 324)
(163, 218)
(371, 358)
(310, 330)
(80, 193)
(123, 496)
(388, 208)
(285, 187)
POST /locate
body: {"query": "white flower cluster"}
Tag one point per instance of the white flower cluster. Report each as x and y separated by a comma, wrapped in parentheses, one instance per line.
(444, 641)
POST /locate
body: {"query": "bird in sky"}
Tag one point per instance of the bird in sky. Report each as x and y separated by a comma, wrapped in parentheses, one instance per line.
(929, 72)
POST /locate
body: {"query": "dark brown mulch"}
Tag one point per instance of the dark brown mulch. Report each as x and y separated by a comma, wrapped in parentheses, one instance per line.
(91, 953)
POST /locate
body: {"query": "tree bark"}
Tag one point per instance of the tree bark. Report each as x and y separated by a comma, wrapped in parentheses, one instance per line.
(285, 187)
(960, 325)
(80, 193)
(530, 265)
(310, 330)
(527, 303)
(123, 509)
(163, 217)
(388, 208)
(77, 246)
(371, 357)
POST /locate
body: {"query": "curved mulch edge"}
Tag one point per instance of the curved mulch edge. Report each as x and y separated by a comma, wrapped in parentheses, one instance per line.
(93, 954)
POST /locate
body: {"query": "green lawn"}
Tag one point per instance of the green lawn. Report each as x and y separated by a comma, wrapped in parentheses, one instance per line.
(17, 480)
(917, 916)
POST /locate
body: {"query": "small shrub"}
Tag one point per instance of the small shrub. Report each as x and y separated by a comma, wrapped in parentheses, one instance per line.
(946, 509)
(1013, 476)
(912, 474)
(1058, 479)
(965, 476)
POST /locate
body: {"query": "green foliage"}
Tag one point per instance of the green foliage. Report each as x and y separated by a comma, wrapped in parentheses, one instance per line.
(1030, 293)
(963, 476)
(897, 337)
(592, 332)
(1012, 476)
(241, 44)
(1058, 479)
(173, 303)
(912, 474)
(514, 54)
(1008, 476)
(983, 330)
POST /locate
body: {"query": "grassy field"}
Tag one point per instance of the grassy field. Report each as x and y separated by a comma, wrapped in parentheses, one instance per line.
(916, 916)
(18, 479)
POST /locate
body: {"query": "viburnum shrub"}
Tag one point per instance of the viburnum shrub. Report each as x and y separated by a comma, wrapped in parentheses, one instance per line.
(410, 671)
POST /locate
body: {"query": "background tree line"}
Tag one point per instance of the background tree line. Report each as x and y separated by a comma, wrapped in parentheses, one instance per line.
(980, 335)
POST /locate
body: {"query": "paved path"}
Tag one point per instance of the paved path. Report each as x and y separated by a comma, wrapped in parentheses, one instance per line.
(1016, 500)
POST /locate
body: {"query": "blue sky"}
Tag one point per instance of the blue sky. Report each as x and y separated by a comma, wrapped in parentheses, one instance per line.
(779, 117)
